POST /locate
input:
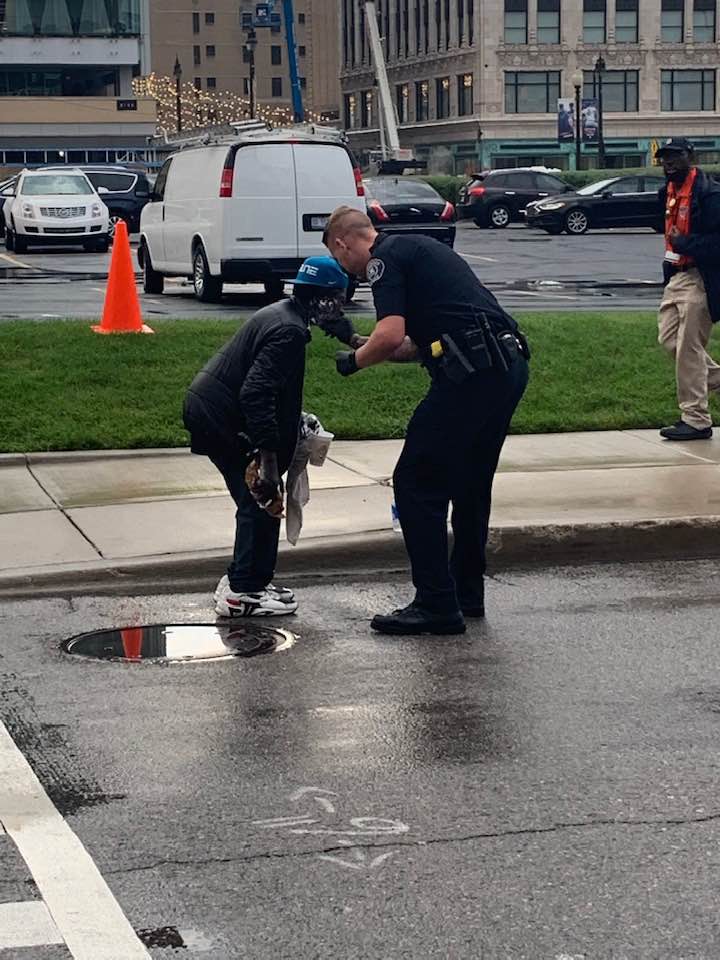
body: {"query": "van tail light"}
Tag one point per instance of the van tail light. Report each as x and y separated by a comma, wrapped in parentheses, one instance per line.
(380, 213)
(358, 182)
(226, 180)
(476, 191)
(449, 212)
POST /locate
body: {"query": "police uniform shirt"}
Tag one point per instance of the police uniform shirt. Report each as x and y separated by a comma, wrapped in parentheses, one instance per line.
(432, 287)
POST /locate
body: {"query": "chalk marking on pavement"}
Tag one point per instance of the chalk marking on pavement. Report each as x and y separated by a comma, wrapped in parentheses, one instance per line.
(16, 263)
(475, 256)
(27, 924)
(81, 904)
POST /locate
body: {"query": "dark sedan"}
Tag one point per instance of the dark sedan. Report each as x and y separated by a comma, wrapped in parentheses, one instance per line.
(617, 202)
(406, 205)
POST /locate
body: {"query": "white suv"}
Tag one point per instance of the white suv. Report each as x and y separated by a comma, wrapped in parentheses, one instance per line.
(50, 208)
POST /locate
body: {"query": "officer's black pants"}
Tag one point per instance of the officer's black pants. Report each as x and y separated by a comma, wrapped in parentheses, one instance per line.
(450, 455)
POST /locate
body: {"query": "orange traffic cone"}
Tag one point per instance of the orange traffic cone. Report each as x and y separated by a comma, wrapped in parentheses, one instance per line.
(121, 313)
(132, 642)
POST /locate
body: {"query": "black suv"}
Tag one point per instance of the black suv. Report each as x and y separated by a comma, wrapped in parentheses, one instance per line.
(123, 191)
(499, 197)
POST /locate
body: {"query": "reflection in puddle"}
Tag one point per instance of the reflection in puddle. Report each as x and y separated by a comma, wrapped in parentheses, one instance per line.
(181, 642)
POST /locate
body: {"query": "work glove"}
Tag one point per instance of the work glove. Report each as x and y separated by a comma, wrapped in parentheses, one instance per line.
(263, 481)
(342, 329)
(345, 363)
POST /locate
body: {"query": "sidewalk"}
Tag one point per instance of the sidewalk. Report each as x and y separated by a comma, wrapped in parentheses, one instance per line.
(124, 518)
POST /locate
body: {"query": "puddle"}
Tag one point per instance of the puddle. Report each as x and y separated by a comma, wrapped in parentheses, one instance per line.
(180, 643)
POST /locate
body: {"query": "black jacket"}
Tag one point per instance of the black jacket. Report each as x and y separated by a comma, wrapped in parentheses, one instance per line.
(252, 386)
(703, 242)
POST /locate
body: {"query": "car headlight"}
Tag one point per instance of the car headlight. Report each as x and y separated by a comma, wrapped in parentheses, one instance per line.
(551, 206)
(96, 210)
(28, 212)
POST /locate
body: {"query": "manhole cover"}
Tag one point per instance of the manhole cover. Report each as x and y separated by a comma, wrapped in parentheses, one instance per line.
(180, 642)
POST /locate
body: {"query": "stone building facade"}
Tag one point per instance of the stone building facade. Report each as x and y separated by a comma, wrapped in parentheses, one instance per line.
(476, 82)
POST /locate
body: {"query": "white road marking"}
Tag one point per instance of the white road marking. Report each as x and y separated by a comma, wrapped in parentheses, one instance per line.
(14, 262)
(282, 822)
(544, 296)
(26, 924)
(475, 256)
(85, 912)
(301, 791)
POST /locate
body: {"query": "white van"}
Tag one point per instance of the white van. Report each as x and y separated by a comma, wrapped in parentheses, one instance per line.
(245, 209)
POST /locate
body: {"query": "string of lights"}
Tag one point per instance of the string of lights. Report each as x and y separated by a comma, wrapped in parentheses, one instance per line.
(200, 108)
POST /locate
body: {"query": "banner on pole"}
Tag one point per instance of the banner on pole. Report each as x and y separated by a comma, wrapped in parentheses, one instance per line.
(566, 119)
(589, 116)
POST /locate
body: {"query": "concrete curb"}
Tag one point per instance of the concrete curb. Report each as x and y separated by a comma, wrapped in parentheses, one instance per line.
(377, 552)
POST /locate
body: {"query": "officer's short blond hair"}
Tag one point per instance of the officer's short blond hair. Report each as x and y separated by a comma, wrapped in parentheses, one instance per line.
(345, 220)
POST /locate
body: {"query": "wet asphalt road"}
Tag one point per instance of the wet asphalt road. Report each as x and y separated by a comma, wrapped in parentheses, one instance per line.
(616, 269)
(544, 788)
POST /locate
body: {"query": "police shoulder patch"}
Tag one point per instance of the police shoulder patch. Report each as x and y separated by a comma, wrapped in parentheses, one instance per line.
(374, 271)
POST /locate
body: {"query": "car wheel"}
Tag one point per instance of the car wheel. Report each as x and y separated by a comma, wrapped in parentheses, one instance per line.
(208, 289)
(103, 245)
(113, 221)
(153, 282)
(9, 239)
(499, 217)
(576, 222)
(275, 289)
(20, 244)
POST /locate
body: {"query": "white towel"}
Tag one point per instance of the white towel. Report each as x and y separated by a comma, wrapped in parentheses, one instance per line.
(312, 447)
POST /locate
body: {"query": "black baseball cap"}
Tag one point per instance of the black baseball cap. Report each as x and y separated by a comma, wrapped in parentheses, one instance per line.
(676, 145)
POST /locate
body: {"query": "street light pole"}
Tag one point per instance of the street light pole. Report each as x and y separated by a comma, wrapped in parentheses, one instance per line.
(177, 73)
(577, 79)
(250, 45)
(599, 70)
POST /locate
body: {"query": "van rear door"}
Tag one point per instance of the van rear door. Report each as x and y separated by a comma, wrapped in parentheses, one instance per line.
(261, 216)
(325, 180)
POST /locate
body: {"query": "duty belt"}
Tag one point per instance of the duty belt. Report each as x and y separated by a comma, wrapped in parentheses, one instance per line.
(473, 350)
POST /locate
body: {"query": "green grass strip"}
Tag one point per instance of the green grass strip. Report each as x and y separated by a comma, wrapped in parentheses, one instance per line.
(65, 388)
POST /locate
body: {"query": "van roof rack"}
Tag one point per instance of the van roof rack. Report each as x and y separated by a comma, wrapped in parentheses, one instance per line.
(248, 130)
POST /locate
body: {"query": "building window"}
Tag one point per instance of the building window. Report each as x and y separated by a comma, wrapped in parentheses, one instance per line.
(301, 18)
(688, 89)
(197, 83)
(626, 21)
(465, 94)
(426, 25)
(620, 89)
(196, 22)
(209, 19)
(594, 17)
(672, 21)
(303, 83)
(302, 51)
(276, 56)
(196, 55)
(704, 21)
(471, 21)
(210, 50)
(277, 86)
(442, 97)
(422, 100)
(366, 103)
(211, 83)
(516, 20)
(402, 102)
(350, 105)
(447, 24)
(246, 55)
(548, 21)
(531, 92)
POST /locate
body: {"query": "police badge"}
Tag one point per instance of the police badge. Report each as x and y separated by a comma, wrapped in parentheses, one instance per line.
(374, 270)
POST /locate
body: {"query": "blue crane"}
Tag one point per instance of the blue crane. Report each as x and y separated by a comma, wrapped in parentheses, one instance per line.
(264, 15)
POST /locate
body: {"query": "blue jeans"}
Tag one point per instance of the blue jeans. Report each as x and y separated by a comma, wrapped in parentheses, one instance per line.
(256, 533)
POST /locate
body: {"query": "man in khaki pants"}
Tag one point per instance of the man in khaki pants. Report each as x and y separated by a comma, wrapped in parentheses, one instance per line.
(691, 302)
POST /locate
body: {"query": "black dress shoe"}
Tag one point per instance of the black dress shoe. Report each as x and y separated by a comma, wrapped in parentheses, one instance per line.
(683, 431)
(472, 603)
(414, 620)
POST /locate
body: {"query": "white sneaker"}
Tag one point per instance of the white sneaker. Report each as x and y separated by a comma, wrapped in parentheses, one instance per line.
(284, 593)
(263, 604)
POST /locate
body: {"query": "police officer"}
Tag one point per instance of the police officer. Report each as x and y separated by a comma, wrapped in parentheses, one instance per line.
(244, 408)
(431, 306)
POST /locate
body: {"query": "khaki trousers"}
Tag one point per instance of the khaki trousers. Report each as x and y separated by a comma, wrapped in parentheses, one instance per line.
(685, 326)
